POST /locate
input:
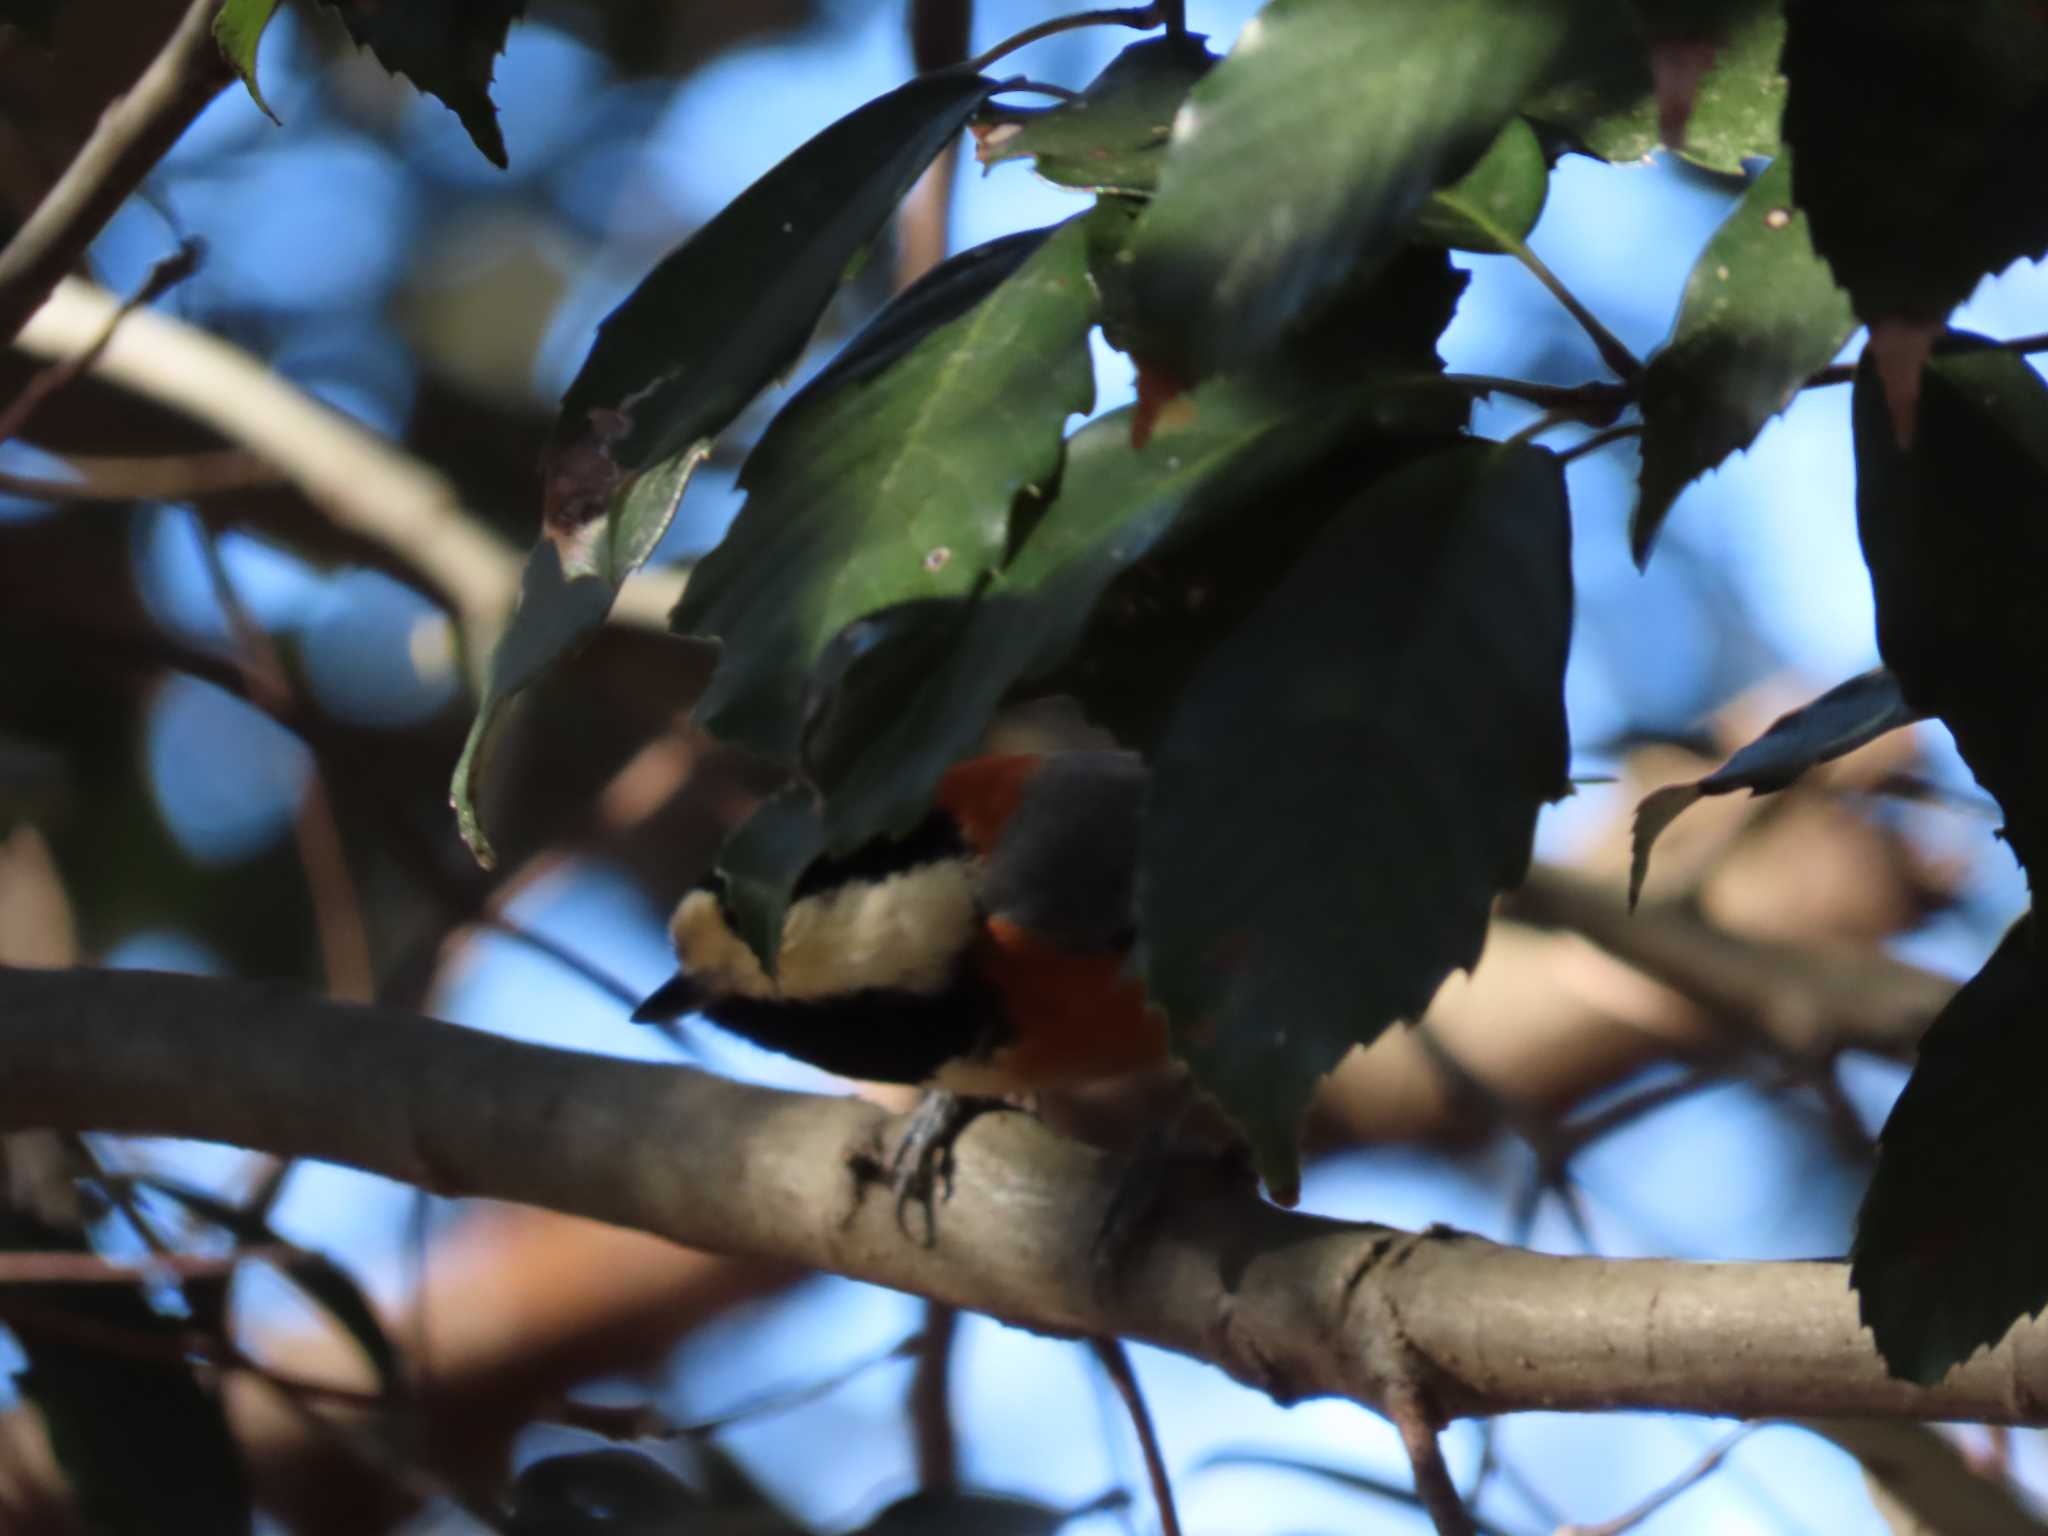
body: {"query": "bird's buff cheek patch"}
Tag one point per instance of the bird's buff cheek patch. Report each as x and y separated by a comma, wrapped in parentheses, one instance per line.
(906, 934)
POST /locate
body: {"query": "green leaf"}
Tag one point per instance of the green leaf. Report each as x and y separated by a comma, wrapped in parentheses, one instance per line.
(1495, 203)
(565, 592)
(1352, 776)
(761, 862)
(1302, 159)
(1114, 137)
(1849, 715)
(1952, 533)
(445, 47)
(325, 1283)
(1607, 106)
(238, 28)
(1917, 131)
(732, 307)
(145, 1448)
(878, 486)
(1760, 315)
(1950, 1249)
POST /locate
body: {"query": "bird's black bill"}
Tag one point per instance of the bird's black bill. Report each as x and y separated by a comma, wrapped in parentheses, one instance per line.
(670, 1001)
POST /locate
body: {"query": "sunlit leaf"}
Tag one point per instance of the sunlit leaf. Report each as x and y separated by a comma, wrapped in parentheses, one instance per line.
(1352, 776)
(1760, 315)
(1114, 137)
(1303, 157)
(889, 479)
(239, 28)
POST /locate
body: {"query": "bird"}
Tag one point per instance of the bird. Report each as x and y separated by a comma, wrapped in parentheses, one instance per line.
(983, 955)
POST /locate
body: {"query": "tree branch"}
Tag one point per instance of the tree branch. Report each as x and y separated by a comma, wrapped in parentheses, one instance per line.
(372, 487)
(1294, 1305)
(133, 135)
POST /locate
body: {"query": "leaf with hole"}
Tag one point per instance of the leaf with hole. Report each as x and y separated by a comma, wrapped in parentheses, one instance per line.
(1352, 776)
(1301, 161)
(1759, 316)
(1847, 716)
(881, 485)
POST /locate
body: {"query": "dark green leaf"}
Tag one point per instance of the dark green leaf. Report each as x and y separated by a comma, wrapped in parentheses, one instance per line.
(961, 1513)
(447, 48)
(761, 863)
(732, 307)
(1607, 107)
(145, 1448)
(1847, 716)
(1303, 158)
(1760, 315)
(565, 592)
(1950, 1249)
(239, 28)
(907, 692)
(1917, 133)
(1953, 534)
(1394, 713)
(882, 487)
(1114, 137)
(326, 1283)
(1495, 203)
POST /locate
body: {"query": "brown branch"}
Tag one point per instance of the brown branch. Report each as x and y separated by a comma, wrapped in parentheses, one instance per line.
(1293, 1305)
(133, 135)
(177, 477)
(1116, 1365)
(1418, 1427)
(930, 1401)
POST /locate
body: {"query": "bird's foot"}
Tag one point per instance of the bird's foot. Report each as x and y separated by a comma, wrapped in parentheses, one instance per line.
(920, 1171)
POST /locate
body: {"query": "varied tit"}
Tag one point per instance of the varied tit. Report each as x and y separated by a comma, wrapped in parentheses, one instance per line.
(982, 953)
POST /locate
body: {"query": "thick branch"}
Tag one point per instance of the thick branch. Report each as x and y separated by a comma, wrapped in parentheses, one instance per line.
(133, 135)
(1295, 1305)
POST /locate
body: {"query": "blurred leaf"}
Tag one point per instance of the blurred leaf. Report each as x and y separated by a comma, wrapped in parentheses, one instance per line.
(1952, 533)
(761, 862)
(1917, 133)
(1114, 137)
(326, 1284)
(1502, 195)
(732, 307)
(1394, 712)
(238, 27)
(1847, 716)
(445, 47)
(1760, 315)
(1334, 121)
(145, 1448)
(1950, 1249)
(565, 593)
(610, 1490)
(1608, 106)
(1922, 1485)
(876, 486)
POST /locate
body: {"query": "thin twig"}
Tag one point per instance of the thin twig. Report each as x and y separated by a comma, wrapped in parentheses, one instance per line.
(62, 1268)
(1116, 1365)
(930, 1401)
(1596, 402)
(1613, 351)
(1600, 440)
(1433, 1485)
(1138, 16)
(132, 135)
(1629, 1519)
(165, 275)
(562, 955)
(173, 477)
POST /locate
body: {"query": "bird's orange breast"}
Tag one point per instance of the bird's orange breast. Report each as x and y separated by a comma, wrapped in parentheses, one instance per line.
(1072, 1017)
